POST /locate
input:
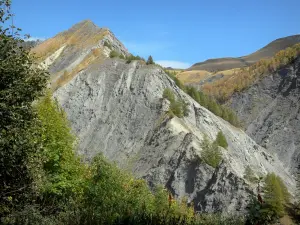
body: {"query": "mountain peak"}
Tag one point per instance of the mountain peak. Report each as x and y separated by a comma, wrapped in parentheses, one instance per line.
(86, 25)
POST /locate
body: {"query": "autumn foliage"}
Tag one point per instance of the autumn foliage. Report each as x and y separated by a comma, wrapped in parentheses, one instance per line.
(223, 89)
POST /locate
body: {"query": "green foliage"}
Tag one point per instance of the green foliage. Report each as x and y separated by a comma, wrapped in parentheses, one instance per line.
(178, 108)
(185, 109)
(150, 60)
(122, 56)
(168, 94)
(114, 54)
(62, 168)
(223, 89)
(132, 57)
(218, 219)
(211, 153)
(209, 103)
(275, 199)
(206, 101)
(22, 82)
(221, 140)
(107, 44)
(172, 75)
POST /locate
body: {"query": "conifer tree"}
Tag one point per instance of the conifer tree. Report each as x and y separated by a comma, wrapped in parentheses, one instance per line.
(275, 196)
(150, 60)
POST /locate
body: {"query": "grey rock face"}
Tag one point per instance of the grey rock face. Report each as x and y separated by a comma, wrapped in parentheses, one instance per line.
(270, 110)
(117, 109)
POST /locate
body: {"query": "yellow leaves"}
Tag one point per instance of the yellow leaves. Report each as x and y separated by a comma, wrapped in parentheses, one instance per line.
(224, 88)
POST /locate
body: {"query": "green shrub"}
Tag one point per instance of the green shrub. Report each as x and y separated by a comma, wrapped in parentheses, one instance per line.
(185, 108)
(178, 108)
(132, 57)
(22, 82)
(274, 202)
(168, 94)
(211, 153)
(276, 195)
(221, 140)
(114, 54)
(107, 45)
(62, 168)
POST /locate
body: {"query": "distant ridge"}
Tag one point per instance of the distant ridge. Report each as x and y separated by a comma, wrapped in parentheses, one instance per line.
(219, 64)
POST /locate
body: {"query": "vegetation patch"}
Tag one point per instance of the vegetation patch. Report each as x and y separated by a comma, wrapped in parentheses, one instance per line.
(107, 44)
(178, 108)
(270, 205)
(206, 101)
(211, 153)
(114, 54)
(221, 140)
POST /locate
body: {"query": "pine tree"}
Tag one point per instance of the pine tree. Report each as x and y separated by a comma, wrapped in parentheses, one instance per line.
(221, 140)
(150, 60)
(276, 195)
(210, 152)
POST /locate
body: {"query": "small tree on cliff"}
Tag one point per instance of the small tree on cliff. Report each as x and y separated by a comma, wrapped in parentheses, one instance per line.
(150, 60)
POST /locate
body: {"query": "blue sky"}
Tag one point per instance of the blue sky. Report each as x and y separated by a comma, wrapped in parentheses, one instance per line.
(176, 33)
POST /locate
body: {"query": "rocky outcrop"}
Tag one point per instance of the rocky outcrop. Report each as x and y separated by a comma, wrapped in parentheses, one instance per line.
(270, 110)
(73, 50)
(117, 109)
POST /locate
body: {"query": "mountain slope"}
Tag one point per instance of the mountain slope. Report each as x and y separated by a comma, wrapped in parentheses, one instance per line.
(73, 50)
(270, 110)
(117, 109)
(213, 65)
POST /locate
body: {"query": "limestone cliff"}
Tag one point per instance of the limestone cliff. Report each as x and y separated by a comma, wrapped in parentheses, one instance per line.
(117, 109)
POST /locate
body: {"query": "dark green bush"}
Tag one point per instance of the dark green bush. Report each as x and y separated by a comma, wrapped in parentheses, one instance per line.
(107, 45)
(178, 108)
(132, 57)
(211, 153)
(221, 140)
(168, 94)
(114, 54)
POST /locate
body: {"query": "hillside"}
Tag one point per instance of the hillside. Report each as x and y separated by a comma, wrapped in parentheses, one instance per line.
(270, 110)
(213, 65)
(107, 105)
(116, 107)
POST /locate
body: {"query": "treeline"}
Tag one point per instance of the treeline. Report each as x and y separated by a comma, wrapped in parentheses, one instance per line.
(206, 101)
(223, 89)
